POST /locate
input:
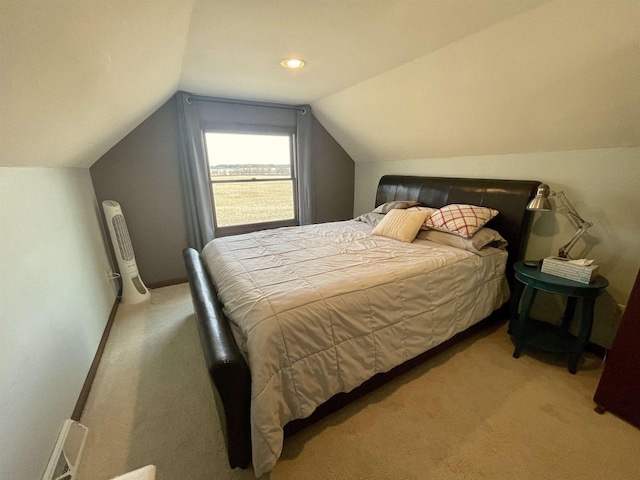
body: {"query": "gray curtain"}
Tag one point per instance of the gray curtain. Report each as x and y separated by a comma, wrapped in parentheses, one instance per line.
(195, 174)
(196, 113)
(306, 206)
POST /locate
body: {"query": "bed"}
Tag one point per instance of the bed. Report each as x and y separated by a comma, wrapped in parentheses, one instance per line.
(310, 338)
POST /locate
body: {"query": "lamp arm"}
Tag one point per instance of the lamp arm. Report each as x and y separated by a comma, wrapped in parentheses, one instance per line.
(574, 216)
(580, 223)
(564, 250)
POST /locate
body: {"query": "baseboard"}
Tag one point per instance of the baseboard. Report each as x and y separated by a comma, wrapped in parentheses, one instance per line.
(167, 283)
(86, 388)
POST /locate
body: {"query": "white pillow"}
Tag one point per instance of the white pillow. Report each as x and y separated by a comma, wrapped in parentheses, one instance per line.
(485, 237)
(371, 218)
(460, 219)
(400, 225)
(387, 207)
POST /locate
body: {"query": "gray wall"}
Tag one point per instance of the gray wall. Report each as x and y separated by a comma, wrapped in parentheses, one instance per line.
(333, 175)
(142, 173)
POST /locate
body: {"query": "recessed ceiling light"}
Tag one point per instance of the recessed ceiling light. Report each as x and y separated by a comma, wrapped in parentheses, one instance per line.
(292, 63)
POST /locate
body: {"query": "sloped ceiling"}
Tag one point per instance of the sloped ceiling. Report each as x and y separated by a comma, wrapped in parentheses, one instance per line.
(563, 76)
(390, 79)
(234, 48)
(77, 76)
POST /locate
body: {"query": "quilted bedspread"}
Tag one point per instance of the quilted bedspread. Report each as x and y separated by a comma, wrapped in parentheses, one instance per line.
(322, 308)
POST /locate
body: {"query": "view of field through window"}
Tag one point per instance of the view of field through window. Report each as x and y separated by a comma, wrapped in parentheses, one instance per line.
(251, 177)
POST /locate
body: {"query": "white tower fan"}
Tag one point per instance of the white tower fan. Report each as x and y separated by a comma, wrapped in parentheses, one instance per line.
(133, 289)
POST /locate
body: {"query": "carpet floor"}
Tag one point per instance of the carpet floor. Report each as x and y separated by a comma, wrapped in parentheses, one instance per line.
(472, 412)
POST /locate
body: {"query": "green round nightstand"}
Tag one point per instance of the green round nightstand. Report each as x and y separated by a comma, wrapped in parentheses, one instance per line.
(542, 334)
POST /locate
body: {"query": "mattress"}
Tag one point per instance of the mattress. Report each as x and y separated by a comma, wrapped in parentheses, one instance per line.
(319, 309)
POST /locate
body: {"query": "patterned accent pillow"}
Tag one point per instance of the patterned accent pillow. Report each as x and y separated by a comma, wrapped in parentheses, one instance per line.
(400, 225)
(463, 220)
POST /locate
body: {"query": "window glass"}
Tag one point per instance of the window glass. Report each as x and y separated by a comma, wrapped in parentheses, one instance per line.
(252, 179)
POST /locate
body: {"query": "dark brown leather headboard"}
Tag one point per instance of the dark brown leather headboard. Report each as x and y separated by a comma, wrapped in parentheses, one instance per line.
(509, 197)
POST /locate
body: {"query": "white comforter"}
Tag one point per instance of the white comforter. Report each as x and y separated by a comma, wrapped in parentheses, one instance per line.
(322, 308)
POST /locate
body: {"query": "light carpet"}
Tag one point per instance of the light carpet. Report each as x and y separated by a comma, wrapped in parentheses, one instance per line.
(472, 412)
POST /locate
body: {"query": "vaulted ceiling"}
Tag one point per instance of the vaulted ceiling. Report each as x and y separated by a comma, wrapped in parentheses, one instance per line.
(390, 79)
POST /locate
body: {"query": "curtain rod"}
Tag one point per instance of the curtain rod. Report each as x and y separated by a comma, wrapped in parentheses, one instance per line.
(200, 98)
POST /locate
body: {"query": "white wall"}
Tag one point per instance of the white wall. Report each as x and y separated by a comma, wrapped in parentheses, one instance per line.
(54, 304)
(564, 76)
(603, 185)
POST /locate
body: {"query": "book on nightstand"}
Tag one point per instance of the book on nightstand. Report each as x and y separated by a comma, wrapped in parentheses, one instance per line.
(565, 268)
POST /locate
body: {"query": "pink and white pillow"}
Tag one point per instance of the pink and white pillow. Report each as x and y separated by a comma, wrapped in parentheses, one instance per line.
(463, 220)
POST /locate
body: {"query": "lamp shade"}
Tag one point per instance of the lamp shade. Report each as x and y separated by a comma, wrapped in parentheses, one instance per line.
(541, 203)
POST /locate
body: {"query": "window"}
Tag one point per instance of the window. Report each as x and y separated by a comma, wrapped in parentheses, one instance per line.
(252, 180)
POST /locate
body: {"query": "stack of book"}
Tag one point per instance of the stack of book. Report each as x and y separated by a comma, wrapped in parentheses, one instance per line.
(563, 267)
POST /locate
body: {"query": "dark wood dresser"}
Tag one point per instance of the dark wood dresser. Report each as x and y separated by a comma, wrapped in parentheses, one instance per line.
(619, 387)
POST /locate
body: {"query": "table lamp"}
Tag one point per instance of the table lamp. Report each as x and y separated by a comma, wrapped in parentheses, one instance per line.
(541, 203)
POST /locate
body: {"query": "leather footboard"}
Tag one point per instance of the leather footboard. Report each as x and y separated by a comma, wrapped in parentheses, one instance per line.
(228, 370)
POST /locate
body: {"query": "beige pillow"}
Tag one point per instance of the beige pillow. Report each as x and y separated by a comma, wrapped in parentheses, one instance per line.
(401, 225)
(429, 211)
(387, 207)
